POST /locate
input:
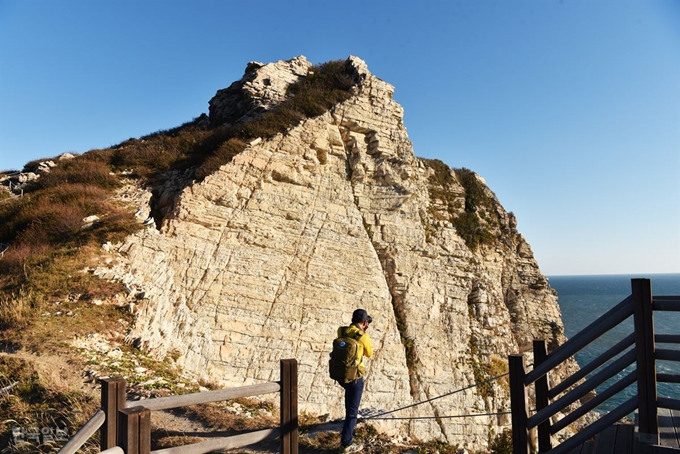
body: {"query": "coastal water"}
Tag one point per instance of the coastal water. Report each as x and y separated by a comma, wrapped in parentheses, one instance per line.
(583, 299)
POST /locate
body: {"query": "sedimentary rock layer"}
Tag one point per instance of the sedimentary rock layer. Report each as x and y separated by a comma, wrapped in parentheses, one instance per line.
(264, 259)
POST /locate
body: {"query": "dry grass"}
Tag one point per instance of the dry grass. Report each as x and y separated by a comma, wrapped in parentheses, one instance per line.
(250, 415)
(36, 403)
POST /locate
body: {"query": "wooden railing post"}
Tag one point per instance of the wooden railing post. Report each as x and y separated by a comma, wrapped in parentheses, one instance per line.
(134, 430)
(289, 407)
(113, 399)
(541, 386)
(646, 367)
(518, 405)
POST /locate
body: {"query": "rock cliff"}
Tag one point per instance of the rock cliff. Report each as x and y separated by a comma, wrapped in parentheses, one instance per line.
(265, 258)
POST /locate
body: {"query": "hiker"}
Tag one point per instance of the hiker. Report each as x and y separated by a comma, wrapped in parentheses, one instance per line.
(354, 388)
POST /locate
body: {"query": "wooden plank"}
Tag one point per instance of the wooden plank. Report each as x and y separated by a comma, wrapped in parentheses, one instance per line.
(134, 430)
(624, 439)
(84, 434)
(668, 435)
(667, 338)
(518, 404)
(606, 441)
(666, 402)
(285, 408)
(295, 434)
(668, 378)
(667, 303)
(644, 347)
(580, 449)
(667, 354)
(584, 388)
(541, 389)
(144, 441)
(594, 402)
(588, 447)
(289, 406)
(113, 394)
(214, 444)
(592, 365)
(166, 403)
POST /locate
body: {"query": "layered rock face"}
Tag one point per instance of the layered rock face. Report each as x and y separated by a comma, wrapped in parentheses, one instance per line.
(264, 259)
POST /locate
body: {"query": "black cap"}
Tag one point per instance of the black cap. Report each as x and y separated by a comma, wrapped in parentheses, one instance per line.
(360, 315)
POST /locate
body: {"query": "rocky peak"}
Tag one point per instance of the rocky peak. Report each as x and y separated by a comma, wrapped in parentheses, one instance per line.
(261, 88)
(263, 259)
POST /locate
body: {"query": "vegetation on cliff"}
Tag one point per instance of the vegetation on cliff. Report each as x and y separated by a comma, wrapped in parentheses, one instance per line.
(472, 213)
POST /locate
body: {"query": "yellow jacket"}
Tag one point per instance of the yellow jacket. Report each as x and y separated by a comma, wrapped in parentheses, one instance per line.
(365, 347)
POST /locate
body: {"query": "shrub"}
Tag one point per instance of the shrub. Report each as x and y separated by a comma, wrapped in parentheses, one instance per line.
(224, 154)
(76, 171)
(442, 173)
(502, 443)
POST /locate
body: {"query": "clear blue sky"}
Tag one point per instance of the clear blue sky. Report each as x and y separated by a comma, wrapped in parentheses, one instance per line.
(569, 109)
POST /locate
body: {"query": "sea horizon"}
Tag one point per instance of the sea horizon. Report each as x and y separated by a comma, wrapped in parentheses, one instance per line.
(641, 275)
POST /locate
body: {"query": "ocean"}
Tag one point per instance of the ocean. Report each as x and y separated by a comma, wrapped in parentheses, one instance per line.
(583, 299)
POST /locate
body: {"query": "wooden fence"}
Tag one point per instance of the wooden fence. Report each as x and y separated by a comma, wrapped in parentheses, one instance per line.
(640, 304)
(125, 426)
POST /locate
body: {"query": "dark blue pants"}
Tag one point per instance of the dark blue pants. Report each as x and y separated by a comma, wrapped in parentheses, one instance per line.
(353, 392)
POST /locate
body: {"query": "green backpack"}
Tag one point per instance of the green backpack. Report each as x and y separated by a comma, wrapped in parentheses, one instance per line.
(344, 363)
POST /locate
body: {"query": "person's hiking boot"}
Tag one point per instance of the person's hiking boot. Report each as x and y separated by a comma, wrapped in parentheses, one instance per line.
(351, 448)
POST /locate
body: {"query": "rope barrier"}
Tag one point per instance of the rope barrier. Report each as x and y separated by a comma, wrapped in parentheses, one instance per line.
(474, 415)
(377, 416)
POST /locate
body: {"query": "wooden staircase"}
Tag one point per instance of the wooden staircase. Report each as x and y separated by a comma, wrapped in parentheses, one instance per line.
(633, 359)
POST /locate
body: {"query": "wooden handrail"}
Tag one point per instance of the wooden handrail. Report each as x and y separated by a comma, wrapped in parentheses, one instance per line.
(665, 402)
(604, 323)
(668, 378)
(126, 427)
(592, 365)
(595, 401)
(232, 442)
(667, 354)
(667, 303)
(168, 402)
(667, 338)
(583, 389)
(85, 432)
